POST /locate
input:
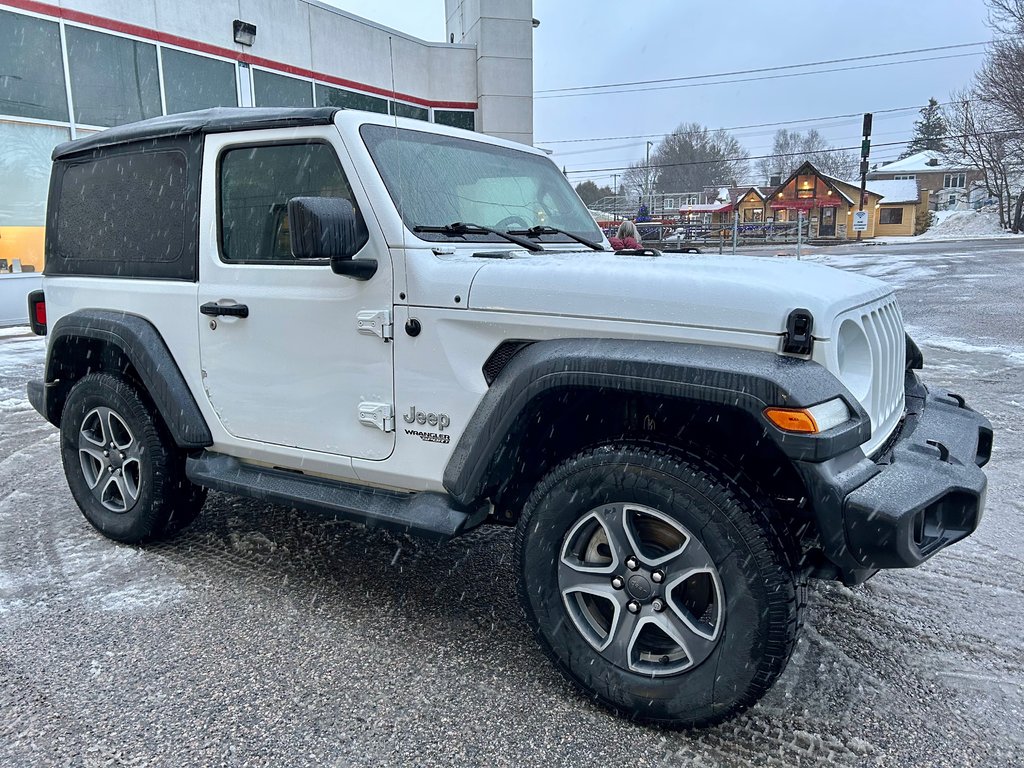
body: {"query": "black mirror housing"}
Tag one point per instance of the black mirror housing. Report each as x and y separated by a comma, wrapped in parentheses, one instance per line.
(329, 228)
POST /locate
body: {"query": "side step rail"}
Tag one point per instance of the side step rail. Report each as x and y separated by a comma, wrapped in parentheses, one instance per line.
(432, 516)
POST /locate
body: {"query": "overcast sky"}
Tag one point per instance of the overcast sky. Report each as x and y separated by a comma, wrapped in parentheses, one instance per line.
(599, 41)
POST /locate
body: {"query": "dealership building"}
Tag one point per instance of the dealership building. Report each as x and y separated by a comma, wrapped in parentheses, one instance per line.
(73, 67)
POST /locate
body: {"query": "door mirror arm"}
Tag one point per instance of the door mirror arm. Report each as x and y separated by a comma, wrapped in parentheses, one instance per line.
(357, 269)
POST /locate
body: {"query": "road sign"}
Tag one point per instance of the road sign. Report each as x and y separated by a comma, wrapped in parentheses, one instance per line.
(860, 221)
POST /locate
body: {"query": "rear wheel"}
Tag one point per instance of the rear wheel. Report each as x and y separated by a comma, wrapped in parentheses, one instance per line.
(657, 585)
(122, 465)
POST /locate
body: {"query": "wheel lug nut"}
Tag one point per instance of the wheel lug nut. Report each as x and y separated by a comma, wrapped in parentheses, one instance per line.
(617, 582)
(632, 563)
(106, 453)
(658, 605)
(633, 606)
(658, 576)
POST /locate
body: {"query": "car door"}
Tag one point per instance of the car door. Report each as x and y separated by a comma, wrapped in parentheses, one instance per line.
(285, 358)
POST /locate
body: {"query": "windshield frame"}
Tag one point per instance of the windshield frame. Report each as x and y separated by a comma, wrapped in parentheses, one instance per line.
(479, 143)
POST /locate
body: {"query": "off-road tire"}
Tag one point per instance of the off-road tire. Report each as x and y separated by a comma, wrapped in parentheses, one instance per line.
(165, 502)
(762, 596)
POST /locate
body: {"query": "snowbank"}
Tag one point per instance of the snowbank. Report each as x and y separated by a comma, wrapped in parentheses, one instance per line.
(957, 225)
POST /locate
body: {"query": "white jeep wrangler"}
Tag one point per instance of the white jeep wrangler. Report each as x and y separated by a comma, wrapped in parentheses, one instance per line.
(422, 328)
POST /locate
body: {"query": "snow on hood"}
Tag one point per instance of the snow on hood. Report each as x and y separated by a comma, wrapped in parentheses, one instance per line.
(725, 292)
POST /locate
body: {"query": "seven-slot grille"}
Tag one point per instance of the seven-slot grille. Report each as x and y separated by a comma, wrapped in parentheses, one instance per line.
(884, 328)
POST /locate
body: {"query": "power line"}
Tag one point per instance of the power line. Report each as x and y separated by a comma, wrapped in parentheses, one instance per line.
(795, 154)
(757, 79)
(759, 145)
(803, 121)
(767, 69)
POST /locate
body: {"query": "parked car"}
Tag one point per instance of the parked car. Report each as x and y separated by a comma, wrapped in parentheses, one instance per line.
(268, 303)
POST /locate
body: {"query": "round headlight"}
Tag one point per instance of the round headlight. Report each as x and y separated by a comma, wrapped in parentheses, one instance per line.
(855, 369)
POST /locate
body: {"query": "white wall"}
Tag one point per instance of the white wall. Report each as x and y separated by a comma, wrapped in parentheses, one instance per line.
(14, 291)
(502, 33)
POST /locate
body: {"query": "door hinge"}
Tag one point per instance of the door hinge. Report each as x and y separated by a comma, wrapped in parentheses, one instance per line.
(376, 322)
(379, 415)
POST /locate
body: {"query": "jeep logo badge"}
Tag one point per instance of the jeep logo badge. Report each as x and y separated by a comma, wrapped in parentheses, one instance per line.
(439, 420)
(639, 587)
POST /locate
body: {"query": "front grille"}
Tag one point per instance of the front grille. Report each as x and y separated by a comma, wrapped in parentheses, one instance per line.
(884, 328)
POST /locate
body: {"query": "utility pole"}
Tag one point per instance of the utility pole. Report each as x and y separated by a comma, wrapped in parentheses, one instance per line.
(800, 234)
(865, 151)
(615, 194)
(647, 168)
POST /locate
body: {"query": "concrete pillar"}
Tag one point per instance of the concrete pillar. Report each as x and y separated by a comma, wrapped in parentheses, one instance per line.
(502, 31)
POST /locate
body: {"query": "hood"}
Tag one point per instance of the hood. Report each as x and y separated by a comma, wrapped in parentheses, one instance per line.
(725, 292)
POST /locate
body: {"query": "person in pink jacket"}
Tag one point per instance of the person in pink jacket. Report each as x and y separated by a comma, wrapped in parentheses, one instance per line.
(626, 238)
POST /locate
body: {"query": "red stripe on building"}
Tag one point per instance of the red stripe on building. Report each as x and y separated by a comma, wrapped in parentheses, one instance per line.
(215, 50)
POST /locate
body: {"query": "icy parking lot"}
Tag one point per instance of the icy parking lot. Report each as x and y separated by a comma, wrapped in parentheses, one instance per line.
(262, 636)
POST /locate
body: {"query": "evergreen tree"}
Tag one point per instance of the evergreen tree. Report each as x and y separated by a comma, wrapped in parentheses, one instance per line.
(590, 193)
(929, 131)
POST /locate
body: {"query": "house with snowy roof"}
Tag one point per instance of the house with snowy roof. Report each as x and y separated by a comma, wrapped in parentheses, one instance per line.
(828, 203)
(948, 182)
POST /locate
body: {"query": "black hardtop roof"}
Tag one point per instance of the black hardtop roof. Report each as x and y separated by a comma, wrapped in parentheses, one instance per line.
(218, 120)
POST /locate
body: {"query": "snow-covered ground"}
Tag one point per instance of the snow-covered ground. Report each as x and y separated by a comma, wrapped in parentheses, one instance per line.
(263, 636)
(958, 225)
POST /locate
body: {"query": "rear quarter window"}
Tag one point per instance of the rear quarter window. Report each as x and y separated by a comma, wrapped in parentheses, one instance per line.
(123, 214)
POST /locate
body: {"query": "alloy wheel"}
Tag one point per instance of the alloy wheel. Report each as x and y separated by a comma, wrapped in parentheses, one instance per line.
(641, 589)
(110, 457)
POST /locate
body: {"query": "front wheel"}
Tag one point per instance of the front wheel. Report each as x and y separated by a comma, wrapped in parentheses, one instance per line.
(657, 585)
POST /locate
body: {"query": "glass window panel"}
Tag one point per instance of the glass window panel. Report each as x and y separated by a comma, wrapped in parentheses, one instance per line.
(31, 68)
(197, 82)
(123, 208)
(337, 97)
(114, 80)
(891, 216)
(398, 109)
(436, 180)
(456, 119)
(25, 156)
(256, 184)
(273, 90)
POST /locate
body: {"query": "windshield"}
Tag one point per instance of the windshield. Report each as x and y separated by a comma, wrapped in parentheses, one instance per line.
(437, 180)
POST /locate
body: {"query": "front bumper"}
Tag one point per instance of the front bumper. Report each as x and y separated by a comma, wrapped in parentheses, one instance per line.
(924, 492)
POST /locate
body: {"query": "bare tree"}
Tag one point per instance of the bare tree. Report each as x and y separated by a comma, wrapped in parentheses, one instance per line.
(790, 149)
(1000, 88)
(977, 139)
(693, 157)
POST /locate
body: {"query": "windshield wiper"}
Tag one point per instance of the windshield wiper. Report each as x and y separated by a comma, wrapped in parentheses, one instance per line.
(543, 230)
(465, 228)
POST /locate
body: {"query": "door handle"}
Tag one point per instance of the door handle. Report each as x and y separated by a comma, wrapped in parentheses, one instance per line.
(213, 309)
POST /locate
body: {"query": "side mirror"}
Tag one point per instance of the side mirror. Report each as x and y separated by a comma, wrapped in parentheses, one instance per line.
(329, 228)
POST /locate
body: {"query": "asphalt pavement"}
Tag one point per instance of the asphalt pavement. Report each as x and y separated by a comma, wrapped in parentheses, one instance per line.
(263, 636)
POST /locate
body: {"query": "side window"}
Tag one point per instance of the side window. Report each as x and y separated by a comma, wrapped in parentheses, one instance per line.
(256, 184)
(124, 209)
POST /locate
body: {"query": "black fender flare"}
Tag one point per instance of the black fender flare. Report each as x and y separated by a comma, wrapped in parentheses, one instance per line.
(745, 379)
(141, 344)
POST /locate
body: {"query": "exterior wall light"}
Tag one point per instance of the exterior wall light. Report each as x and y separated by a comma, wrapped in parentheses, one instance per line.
(245, 33)
(535, 22)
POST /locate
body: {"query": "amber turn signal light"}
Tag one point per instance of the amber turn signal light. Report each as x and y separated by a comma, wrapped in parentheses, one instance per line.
(791, 419)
